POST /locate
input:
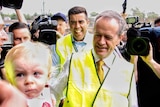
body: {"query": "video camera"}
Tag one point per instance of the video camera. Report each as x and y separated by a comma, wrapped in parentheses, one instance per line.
(14, 4)
(136, 43)
(47, 29)
(139, 37)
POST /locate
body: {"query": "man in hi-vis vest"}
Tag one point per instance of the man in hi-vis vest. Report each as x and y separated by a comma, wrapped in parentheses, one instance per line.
(79, 39)
(99, 77)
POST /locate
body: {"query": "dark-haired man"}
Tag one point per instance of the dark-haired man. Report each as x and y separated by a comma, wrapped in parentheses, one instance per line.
(79, 39)
(20, 32)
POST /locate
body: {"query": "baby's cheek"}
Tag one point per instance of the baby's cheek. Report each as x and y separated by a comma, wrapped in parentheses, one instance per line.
(20, 87)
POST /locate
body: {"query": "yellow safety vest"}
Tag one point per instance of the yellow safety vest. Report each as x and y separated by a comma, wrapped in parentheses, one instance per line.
(85, 90)
(65, 47)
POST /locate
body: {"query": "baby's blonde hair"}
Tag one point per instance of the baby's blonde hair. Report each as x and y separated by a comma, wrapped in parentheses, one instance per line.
(28, 50)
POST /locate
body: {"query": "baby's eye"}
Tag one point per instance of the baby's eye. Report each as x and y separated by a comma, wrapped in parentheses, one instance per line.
(20, 75)
(37, 73)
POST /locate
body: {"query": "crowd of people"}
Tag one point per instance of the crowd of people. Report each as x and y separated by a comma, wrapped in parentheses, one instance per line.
(80, 68)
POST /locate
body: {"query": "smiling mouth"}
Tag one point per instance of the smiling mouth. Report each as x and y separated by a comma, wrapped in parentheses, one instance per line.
(78, 31)
(100, 47)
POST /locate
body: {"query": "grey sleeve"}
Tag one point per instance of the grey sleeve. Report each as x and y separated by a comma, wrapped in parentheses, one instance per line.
(58, 83)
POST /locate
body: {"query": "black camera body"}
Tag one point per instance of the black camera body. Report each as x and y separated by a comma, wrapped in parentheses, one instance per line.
(137, 44)
(138, 37)
(47, 33)
(47, 29)
(138, 40)
(14, 4)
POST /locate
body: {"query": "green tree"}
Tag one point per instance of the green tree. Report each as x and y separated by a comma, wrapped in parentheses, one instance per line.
(93, 14)
(152, 16)
(137, 12)
(13, 16)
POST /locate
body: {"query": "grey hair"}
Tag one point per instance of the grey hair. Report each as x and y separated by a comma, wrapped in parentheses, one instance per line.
(110, 14)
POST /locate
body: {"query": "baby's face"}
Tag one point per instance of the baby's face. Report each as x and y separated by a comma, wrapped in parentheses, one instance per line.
(31, 76)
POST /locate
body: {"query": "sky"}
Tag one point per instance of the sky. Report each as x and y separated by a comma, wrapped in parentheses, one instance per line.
(54, 6)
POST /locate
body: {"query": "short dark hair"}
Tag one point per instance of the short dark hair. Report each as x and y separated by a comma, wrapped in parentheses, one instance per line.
(17, 25)
(157, 20)
(77, 10)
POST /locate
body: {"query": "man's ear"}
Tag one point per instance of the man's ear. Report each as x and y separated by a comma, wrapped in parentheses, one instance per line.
(120, 39)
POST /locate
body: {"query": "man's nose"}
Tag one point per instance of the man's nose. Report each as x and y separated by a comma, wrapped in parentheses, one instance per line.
(77, 24)
(102, 40)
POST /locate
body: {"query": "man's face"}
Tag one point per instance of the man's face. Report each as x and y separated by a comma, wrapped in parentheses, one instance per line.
(105, 36)
(21, 35)
(157, 24)
(78, 25)
(62, 26)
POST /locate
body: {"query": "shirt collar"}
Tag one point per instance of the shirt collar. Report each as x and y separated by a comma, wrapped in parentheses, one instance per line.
(87, 38)
(108, 60)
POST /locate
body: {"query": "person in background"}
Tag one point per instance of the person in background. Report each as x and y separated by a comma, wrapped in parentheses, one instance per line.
(28, 67)
(20, 29)
(61, 22)
(94, 78)
(9, 95)
(20, 32)
(3, 39)
(147, 69)
(79, 39)
(36, 30)
(61, 28)
(17, 33)
(47, 22)
(157, 22)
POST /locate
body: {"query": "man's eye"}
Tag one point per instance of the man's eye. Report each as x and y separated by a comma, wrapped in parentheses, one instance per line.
(97, 35)
(81, 22)
(17, 39)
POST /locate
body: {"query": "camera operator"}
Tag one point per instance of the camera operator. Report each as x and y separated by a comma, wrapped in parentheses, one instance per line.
(143, 50)
(44, 29)
(44, 22)
(147, 71)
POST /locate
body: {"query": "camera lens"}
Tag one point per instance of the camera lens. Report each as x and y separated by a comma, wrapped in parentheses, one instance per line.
(47, 36)
(138, 46)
